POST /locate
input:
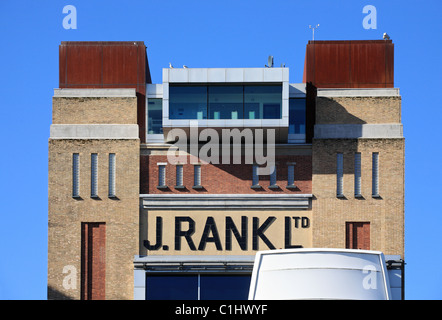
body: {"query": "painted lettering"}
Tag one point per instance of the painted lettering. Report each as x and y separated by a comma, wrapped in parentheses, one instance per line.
(185, 227)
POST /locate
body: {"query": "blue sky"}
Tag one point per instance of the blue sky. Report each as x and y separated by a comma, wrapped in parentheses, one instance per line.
(240, 33)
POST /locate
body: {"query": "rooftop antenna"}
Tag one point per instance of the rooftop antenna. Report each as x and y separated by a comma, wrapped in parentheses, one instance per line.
(315, 27)
(270, 62)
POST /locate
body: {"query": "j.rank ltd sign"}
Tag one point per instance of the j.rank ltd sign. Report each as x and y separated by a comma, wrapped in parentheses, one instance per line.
(217, 231)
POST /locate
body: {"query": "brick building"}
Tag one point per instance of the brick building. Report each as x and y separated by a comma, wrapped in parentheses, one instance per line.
(177, 185)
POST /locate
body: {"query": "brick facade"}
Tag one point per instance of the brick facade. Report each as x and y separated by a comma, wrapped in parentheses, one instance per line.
(358, 110)
(384, 213)
(226, 178)
(94, 110)
(67, 213)
(118, 227)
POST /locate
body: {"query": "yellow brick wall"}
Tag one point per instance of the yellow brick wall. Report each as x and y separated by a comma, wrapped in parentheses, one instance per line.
(94, 110)
(385, 214)
(121, 215)
(358, 110)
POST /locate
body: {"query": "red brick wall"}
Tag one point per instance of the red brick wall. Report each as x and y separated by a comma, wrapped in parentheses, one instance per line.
(225, 179)
(358, 235)
(93, 261)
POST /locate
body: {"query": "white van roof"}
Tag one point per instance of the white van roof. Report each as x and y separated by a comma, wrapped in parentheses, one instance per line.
(319, 273)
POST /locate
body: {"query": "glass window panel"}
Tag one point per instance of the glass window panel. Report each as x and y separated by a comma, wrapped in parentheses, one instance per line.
(339, 173)
(197, 175)
(161, 175)
(179, 175)
(225, 102)
(357, 174)
(273, 176)
(155, 116)
(375, 174)
(263, 102)
(94, 175)
(255, 176)
(224, 287)
(187, 102)
(297, 116)
(76, 175)
(291, 176)
(172, 287)
(111, 174)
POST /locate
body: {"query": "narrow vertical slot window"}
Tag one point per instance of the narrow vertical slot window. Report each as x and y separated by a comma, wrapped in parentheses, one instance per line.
(273, 178)
(197, 176)
(94, 175)
(76, 175)
(357, 174)
(339, 174)
(112, 191)
(179, 176)
(255, 176)
(162, 176)
(375, 174)
(291, 175)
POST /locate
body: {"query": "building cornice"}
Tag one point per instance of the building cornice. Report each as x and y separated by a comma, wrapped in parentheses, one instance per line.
(225, 201)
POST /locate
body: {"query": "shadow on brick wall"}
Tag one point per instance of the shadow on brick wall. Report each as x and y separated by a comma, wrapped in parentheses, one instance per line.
(54, 294)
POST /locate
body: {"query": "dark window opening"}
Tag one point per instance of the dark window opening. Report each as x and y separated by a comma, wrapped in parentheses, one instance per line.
(197, 286)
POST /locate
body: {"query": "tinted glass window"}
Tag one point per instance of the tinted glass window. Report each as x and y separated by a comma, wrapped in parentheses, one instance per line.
(225, 287)
(197, 286)
(297, 116)
(155, 116)
(225, 102)
(172, 287)
(187, 102)
(262, 102)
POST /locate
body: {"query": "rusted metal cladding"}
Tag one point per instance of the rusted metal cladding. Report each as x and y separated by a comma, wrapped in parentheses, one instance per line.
(350, 64)
(106, 64)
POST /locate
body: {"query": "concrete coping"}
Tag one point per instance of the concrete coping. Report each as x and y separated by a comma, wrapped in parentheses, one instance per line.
(194, 258)
(95, 93)
(358, 92)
